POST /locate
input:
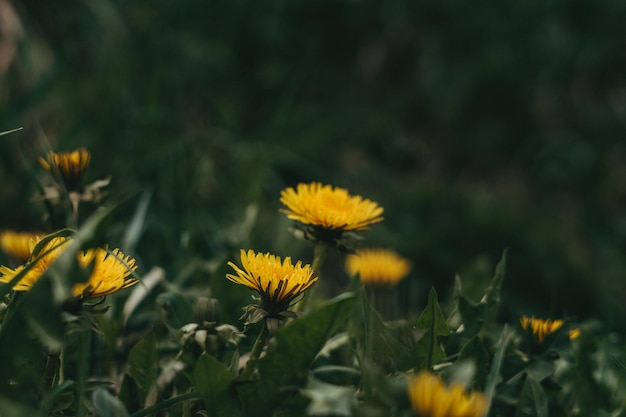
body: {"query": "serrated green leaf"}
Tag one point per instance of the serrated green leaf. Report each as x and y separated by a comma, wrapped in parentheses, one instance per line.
(474, 350)
(142, 363)
(492, 296)
(533, 401)
(472, 314)
(215, 384)
(290, 355)
(107, 405)
(433, 321)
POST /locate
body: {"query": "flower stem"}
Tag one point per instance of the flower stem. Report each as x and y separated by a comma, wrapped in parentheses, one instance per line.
(319, 255)
(82, 370)
(166, 403)
(255, 353)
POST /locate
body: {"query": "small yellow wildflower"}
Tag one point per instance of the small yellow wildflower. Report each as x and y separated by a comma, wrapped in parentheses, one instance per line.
(16, 244)
(430, 397)
(110, 269)
(71, 165)
(378, 266)
(540, 328)
(329, 208)
(574, 334)
(278, 283)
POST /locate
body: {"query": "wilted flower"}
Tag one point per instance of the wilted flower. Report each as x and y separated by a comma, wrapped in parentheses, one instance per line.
(278, 283)
(16, 244)
(110, 271)
(327, 212)
(378, 266)
(70, 165)
(540, 328)
(430, 397)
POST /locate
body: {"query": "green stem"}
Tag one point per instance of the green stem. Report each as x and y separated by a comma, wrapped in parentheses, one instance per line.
(166, 403)
(319, 255)
(255, 353)
(52, 371)
(83, 370)
(369, 325)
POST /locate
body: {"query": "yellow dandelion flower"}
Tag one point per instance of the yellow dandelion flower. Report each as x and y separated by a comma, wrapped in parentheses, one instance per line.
(540, 328)
(329, 208)
(71, 165)
(574, 334)
(430, 397)
(278, 283)
(39, 265)
(110, 272)
(378, 266)
(16, 244)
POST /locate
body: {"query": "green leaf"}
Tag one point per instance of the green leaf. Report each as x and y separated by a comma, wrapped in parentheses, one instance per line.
(135, 228)
(492, 296)
(474, 350)
(390, 349)
(433, 321)
(142, 363)
(42, 316)
(472, 313)
(328, 399)
(57, 395)
(6, 132)
(496, 363)
(107, 405)
(214, 382)
(290, 354)
(31, 318)
(540, 369)
(533, 401)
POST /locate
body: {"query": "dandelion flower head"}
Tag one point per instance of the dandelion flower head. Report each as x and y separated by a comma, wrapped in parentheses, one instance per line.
(71, 165)
(378, 266)
(329, 207)
(278, 282)
(16, 244)
(430, 397)
(539, 327)
(111, 270)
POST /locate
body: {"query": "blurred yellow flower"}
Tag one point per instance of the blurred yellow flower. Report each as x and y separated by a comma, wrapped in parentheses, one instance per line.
(430, 397)
(278, 283)
(540, 328)
(71, 165)
(574, 333)
(329, 208)
(16, 244)
(110, 269)
(378, 266)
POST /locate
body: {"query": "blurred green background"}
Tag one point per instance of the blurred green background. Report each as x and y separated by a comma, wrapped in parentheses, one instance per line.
(478, 126)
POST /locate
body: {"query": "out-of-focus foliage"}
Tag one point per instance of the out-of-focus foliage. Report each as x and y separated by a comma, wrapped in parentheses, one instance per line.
(488, 126)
